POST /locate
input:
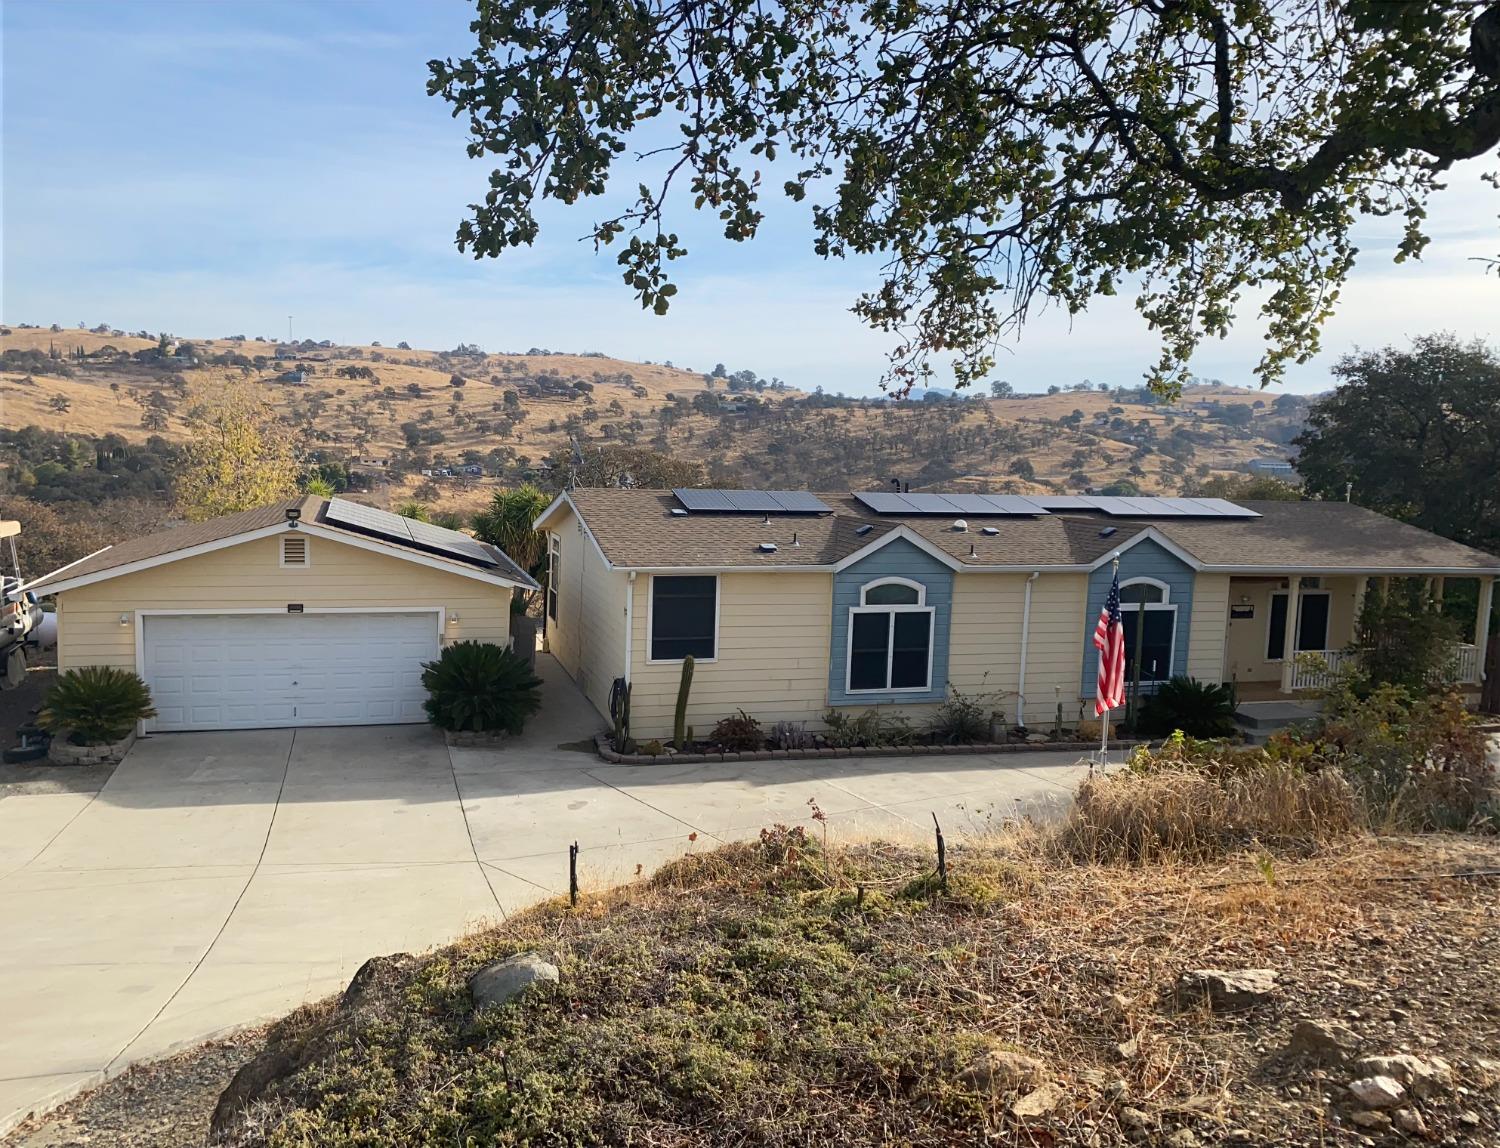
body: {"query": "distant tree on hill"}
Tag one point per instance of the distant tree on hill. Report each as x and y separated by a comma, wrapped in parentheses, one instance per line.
(403, 346)
(1250, 487)
(1000, 389)
(60, 403)
(238, 457)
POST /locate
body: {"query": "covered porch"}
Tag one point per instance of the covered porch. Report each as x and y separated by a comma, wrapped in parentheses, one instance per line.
(1273, 619)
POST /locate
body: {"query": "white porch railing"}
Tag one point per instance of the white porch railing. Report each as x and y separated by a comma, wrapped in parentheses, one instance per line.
(1297, 675)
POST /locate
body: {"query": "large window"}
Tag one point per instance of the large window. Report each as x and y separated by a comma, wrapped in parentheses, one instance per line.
(1145, 605)
(684, 617)
(890, 638)
(554, 568)
(1312, 623)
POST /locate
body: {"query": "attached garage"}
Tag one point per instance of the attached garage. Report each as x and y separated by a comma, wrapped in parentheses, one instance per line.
(306, 613)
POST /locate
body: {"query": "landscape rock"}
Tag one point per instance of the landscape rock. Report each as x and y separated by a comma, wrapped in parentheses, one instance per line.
(1371, 1120)
(998, 1070)
(1229, 990)
(1040, 1102)
(1324, 1039)
(1377, 1091)
(1182, 1138)
(1424, 1077)
(1129, 1049)
(501, 981)
(1409, 1120)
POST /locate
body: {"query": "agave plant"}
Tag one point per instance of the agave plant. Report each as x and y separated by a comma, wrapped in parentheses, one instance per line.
(480, 687)
(1198, 709)
(98, 704)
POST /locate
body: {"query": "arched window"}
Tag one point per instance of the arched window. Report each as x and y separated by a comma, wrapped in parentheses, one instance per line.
(890, 638)
(1146, 607)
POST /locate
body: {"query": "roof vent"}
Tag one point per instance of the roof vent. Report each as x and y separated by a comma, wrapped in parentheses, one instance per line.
(767, 547)
(1107, 531)
(960, 525)
(863, 530)
(990, 530)
(679, 512)
(294, 550)
(973, 551)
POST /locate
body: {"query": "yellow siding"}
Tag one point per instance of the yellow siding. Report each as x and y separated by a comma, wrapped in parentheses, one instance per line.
(1208, 628)
(1245, 659)
(249, 575)
(772, 656)
(985, 641)
(588, 637)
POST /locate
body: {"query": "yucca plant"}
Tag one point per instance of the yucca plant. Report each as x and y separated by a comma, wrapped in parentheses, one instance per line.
(97, 704)
(480, 687)
(1198, 709)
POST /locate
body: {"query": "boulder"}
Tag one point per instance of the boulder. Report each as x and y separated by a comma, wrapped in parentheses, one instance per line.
(1371, 1120)
(998, 1070)
(1323, 1039)
(499, 982)
(1182, 1138)
(1039, 1102)
(1228, 990)
(1424, 1078)
(1409, 1120)
(1377, 1091)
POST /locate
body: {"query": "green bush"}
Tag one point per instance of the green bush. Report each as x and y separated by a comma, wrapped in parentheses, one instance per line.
(480, 687)
(739, 733)
(98, 704)
(1198, 709)
(1403, 641)
(962, 719)
(871, 728)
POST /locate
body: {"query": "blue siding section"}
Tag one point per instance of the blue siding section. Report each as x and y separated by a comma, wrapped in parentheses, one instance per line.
(899, 559)
(1146, 559)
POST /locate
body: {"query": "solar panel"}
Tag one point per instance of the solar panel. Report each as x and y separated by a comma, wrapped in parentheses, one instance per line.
(449, 542)
(1064, 502)
(751, 501)
(407, 531)
(888, 502)
(1227, 508)
(1014, 504)
(885, 502)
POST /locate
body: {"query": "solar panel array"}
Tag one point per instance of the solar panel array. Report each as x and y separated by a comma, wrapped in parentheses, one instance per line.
(408, 531)
(889, 502)
(751, 501)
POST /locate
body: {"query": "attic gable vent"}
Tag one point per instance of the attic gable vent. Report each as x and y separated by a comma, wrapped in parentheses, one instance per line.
(294, 550)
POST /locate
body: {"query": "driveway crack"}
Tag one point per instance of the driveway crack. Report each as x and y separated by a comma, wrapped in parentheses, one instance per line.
(286, 769)
(468, 832)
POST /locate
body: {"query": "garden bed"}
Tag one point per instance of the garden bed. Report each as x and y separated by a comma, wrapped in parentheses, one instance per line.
(703, 754)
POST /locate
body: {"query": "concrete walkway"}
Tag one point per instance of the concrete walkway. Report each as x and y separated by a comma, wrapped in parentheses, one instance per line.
(221, 879)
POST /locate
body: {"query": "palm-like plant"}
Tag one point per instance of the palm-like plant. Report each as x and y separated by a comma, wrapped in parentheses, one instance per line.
(506, 523)
(1198, 709)
(480, 687)
(99, 704)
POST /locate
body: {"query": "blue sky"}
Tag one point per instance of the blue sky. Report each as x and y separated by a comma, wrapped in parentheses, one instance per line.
(211, 168)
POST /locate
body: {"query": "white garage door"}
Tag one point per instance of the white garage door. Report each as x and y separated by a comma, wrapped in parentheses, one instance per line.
(245, 671)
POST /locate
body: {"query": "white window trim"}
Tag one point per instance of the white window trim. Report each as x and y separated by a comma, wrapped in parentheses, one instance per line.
(1302, 596)
(890, 646)
(651, 613)
(1165, 608)
(552, 607)
(306, 551)
(907, 582)
(1166, 591)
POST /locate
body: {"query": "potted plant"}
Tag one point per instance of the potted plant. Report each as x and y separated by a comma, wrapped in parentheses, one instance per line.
(480, 693)
(92, 714)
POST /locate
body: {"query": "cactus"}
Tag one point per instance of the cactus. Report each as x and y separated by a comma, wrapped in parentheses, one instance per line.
(622, 720)
(679, 720)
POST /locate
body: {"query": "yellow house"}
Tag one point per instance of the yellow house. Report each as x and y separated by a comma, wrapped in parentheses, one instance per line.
(312, 611)
(793, 604)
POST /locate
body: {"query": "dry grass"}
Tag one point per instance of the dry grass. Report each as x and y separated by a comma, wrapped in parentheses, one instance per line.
(1187, 814)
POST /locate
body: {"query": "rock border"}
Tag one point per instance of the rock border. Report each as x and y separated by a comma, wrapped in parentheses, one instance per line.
(61, 751)
(602, 747)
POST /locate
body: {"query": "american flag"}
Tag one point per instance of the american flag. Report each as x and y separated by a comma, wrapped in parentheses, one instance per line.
(1109, 640)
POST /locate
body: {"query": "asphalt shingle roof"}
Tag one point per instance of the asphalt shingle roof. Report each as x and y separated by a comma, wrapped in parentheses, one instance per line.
(636, 528)
(314, 510)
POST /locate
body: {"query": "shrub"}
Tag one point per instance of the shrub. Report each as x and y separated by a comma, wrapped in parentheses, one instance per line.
(98, 704)
(739, 733)
(962, 719)
(479, 686)
(791, 735)
(870, 728)
(1198, 709)
(1402, 640)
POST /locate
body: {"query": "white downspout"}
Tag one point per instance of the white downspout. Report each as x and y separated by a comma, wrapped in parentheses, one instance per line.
(629, 621)
(1025, 641)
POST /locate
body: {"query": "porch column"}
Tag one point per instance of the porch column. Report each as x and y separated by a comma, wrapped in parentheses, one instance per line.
(1435, 593)
(1361, 585)
(1482, 621)
(1289, 634)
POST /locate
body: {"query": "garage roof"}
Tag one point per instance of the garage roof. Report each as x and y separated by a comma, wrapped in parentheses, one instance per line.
(230, 529)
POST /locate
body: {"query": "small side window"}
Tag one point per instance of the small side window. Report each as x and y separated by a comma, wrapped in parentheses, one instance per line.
(294, 550)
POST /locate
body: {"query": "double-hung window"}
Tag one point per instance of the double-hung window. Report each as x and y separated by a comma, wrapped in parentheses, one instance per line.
(684, 617)
(890, 638)
(554, 573)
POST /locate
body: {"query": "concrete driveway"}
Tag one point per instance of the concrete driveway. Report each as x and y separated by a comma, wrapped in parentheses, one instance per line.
(221, 879)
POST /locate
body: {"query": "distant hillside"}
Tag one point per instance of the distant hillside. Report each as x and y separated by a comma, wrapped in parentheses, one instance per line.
(393, 413)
